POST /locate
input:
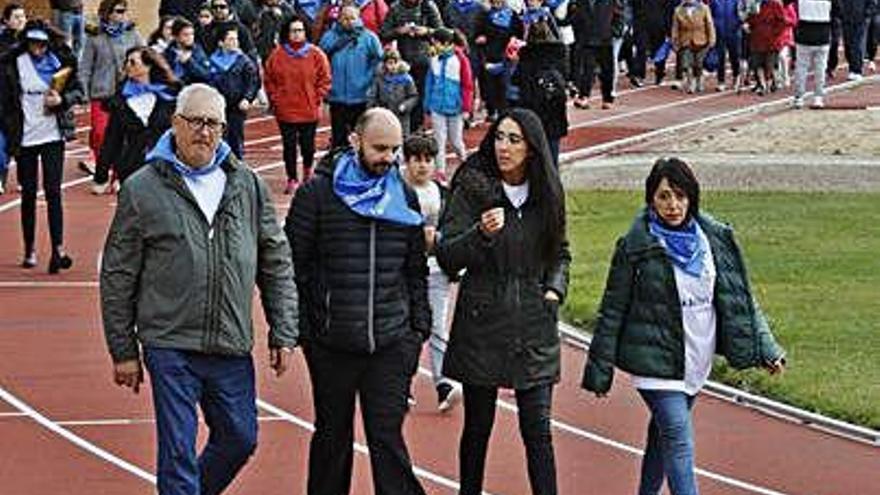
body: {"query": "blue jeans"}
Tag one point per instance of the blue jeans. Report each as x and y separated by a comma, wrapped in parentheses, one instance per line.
(73, 25)
(224, 388)
(670, 448)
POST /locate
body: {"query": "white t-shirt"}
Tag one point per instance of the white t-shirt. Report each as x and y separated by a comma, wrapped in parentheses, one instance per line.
(142, 106)
(40, 127)
(208, 190)
(696, 295)
(429, 201)
(516, 194)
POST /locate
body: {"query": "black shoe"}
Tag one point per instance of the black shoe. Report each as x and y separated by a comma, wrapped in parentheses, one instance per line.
(85, 168)
(59, 262)
(447, 396)
(636, 82)
(30, 260)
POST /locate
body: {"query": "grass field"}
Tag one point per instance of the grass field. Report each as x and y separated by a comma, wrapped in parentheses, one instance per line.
(814, 260)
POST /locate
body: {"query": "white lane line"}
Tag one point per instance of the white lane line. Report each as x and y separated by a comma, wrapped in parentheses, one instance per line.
(75, 439)
(26, 284)
(580, 432)
(142, 421)
(16, 414)
(16, 202)
(358, 447)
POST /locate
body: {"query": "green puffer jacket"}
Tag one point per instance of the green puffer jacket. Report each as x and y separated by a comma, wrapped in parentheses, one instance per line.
(639, 327)
(170, 279)
(504, 331)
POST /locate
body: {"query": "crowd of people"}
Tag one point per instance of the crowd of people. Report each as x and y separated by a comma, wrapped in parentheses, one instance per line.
(379, 230)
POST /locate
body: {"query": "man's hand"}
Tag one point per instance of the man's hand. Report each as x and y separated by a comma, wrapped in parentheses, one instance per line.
(129, 374)
(279, 359)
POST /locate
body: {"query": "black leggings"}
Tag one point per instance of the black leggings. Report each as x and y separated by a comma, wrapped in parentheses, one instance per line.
(534, 427)
(51, 155)
(293, 134)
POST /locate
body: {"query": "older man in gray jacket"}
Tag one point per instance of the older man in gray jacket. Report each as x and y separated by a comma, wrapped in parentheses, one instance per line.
(194, 231)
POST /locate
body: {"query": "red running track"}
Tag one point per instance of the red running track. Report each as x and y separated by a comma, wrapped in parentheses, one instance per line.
(65, 428)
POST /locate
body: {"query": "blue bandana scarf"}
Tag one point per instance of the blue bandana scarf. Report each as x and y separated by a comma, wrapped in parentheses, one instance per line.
(401, 78)
(309, 8)
(465, 6)
(501, 17)
(46, 66)
(164, 150)
(382, 198)
(302, 52)
(222, 60)
(132, 89)
(114, 29)
(553, 4)
(531, 16)
(685, 247)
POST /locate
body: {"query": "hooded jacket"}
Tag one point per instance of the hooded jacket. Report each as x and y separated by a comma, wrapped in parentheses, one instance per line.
(353, 56)
(170, 279)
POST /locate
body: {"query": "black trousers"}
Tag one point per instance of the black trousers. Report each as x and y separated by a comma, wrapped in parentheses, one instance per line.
(342, 120)
(854, 44)
(833, 57)
(51, 156)
(293, 134)
(381, 382)
(235, 130)
(419, 72)
(591, 58)
(534, 427)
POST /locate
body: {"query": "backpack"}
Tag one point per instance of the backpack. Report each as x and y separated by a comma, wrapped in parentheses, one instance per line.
(548, 86)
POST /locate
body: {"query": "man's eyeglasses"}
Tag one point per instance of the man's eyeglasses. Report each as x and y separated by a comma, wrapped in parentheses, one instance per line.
(297, 30)
(196, 124)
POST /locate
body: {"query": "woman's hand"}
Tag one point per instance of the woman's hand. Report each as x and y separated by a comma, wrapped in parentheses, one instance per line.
(551, 295)
(492, 221)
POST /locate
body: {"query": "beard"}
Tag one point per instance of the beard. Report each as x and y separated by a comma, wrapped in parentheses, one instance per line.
(378, 168)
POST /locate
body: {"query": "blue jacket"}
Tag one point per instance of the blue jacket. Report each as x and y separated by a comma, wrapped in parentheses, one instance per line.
(354, 57)
(447, 84)
(196, 70)
(726, 18)
(240, 82)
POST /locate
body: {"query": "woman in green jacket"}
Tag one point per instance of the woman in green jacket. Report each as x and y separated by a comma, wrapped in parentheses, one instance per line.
(504, 227)
(677, 294)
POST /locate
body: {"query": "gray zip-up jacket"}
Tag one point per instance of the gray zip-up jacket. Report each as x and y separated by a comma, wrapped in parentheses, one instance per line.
(170, 279)
(100, 66)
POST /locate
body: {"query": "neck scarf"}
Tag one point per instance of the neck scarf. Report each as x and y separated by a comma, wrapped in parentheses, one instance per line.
(300, 52)
(501, 17)
(222, 60)
(465, 6)
(133, 88)
(397, 78)
(114, 29)
(531, 16)
(685, 247)
(165, 150)
(381, 197)
(46, 66)
(309, 8)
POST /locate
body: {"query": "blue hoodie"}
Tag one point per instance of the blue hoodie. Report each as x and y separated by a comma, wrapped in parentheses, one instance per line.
(354, 56)
(164, 150)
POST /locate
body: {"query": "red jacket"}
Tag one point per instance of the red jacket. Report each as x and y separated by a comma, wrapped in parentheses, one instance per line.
(296, 86)
(767, 28)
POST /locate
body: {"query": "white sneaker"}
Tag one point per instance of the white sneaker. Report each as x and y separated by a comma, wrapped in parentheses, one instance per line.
(872, 66)
(2, 189)
(798, 102)
(105, 188)
(854, 76)
(721, 87)
(817, 102)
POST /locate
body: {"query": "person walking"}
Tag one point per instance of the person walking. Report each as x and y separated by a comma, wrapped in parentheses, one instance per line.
(813, 38)
(101, 68)
(394, 89)
(505, 226)
(594, 24)
(186, 55)
(297, 80)
(194, 232)
(359, 255)
(38, 88)
(677, 294)
(68, 17)
(139, 114)
(693, 35)
(14, 20)
(237, 78)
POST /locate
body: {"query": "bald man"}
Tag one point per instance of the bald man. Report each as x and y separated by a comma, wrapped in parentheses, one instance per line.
(361, 274)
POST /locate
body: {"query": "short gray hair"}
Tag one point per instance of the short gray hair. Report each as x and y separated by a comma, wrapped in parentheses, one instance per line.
(215, 99)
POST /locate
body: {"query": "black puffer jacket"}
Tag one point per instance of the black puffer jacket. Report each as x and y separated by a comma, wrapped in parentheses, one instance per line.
(504, 331)
(362, 283)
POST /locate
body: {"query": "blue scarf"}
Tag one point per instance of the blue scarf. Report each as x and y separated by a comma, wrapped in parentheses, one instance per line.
(401, 78)
(222, 60)
(382, 198)
(46, 66)
(309, 7)
(132, 89)
(553, 4)
(115, 29)
(685, 247)
(465, 6)
(302, 52)
(531, 16)
(501, 17)
(164, 150)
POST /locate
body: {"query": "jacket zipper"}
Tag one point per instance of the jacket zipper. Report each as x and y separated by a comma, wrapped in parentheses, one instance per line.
(372, 287)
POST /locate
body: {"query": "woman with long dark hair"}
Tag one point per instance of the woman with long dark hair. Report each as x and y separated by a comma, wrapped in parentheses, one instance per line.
(139, 114)
(38, 88)
(505, 229)
(677, 294)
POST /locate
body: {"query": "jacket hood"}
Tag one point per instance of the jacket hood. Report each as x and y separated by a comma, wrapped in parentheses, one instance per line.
(164, 150)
